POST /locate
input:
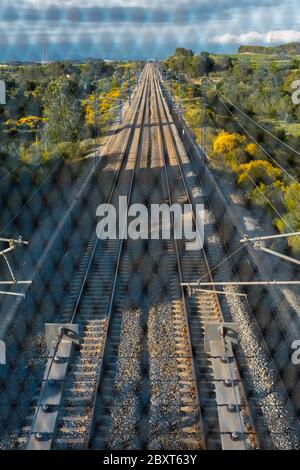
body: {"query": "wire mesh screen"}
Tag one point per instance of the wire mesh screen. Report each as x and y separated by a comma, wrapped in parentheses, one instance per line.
(149, 230)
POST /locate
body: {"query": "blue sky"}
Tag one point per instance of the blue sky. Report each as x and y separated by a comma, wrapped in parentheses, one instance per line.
(121, 29)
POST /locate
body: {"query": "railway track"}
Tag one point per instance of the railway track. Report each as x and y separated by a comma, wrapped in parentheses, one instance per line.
(140, 412)
(89, 304)
(203, 308)
(261, 423)
(141, 376)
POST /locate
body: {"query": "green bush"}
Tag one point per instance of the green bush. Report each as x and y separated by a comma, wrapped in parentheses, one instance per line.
(263, 194)
(72, 150)
(38, 154)
(291, 219)
(35, 154)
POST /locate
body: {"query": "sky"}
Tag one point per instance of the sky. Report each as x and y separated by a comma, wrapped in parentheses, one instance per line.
(140, 29)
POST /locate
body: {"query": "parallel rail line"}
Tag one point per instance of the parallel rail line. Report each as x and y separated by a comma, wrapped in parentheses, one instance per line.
(158, 392)
(202, 308)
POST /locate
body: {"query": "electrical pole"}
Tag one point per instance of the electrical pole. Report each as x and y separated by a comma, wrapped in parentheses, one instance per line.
(120, 100)
(11, 246)
(96, 130)
(129, 87)
(203, 134)
(256, 242)
(96, 119)
(2, 92)
(179, 99)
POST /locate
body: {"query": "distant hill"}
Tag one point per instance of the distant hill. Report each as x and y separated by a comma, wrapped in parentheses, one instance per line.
(292, 48)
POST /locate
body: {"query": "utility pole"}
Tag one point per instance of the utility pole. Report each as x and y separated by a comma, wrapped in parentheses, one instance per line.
(2, 92)
(256, 242)
(95, 126)
(129, 87)
(179, 100)
(11, 246)
(96, 123)
(120, 100)
(203, 134)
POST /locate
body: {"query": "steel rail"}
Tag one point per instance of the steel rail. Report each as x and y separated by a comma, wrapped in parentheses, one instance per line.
(166, 177)
(124, 153)
(177, 154)
(263, 339)
(121, 165)
(120, 249)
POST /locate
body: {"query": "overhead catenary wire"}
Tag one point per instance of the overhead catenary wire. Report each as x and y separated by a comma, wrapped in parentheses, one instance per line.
(229, 257)
(237, 276)
(255, 320)
(2, 229)
(258, 188)
(258, 144)
(268, 282)
(241, 283)
(259, 125)
(10, 172)
(220, 95)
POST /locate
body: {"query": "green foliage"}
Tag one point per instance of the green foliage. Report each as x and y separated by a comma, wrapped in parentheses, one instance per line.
(291, 48)
(222, 63)
(62, 111)
(261, 86)
(291, 219)
(193, 65)
(181, 51)
(263, 194)
(35, 154)
(65, 150)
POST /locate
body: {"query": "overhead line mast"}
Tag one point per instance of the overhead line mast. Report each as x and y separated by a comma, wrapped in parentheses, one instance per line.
(12, 245)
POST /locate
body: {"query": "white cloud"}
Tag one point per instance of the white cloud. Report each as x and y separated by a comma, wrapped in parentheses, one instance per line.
(253, 37)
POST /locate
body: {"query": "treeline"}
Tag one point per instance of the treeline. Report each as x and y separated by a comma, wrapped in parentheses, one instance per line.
(195, 65)
(52, 109)
(292, 48)
(263, 92)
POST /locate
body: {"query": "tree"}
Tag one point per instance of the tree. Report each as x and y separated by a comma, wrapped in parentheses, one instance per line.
(62, 111)
(295, 63)
(223, 63)
(263, 194)
(181, 51)
(202, 64)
